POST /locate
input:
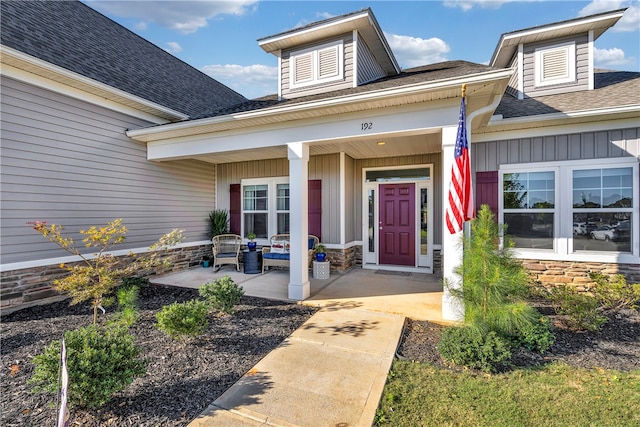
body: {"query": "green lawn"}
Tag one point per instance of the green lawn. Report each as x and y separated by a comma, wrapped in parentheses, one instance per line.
(557, 395)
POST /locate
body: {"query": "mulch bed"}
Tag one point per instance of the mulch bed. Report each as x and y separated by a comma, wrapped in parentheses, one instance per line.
(617, 346)
(181, 380)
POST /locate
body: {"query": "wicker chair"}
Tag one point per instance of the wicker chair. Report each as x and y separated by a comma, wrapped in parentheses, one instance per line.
(277, 254)
(226, 250)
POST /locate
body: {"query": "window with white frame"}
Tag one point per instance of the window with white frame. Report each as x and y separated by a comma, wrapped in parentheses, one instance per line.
(529, 208)
(555, 64)
(265, 206)
(591, 206)
(316, 65)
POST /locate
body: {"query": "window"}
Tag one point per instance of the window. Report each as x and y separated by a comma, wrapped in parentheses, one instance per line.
(602, 209)
(529, 208)
(316, 65)
(576, 209)
(555, 64)
(265, 206)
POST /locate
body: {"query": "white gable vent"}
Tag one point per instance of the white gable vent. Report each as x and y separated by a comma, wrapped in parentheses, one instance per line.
(316, 65)
(555, 64)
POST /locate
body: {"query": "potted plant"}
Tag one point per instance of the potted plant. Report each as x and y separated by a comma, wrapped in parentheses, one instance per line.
(321, 252)
(205, 261)
(251, 244)
(218, 222)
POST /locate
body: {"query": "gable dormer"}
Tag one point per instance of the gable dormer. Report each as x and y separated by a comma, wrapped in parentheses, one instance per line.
(554, 58)
(337, 53)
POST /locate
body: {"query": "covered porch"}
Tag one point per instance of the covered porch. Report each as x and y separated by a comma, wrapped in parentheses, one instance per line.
(409, 294)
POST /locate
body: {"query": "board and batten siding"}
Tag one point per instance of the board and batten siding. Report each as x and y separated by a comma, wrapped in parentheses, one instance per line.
(368, 68)
(344, 83)
(69, 162)
(323, 167)
(434, 159)
(582, 68)
(488, 156)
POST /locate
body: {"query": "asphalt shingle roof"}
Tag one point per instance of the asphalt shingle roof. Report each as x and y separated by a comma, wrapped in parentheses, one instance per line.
(74, 36)
(611, 89)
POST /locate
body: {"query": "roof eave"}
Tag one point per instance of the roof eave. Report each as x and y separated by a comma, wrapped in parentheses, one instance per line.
(508, 43)
(45, 69)
(486, 84)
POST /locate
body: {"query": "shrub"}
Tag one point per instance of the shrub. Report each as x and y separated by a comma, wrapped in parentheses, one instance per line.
(475, 349)
(127, 297)
(222, 294)
(181, 320)
(138, 281)
(583, 311)
(218, 222)
(613, 292)
(536, 336)
(100, 362)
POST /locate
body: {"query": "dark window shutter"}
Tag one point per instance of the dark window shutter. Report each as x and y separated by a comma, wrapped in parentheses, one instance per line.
(487, 190)
(315, 208)
(235, 209)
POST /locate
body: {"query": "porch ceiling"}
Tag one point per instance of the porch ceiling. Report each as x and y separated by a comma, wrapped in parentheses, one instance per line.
(363, 148)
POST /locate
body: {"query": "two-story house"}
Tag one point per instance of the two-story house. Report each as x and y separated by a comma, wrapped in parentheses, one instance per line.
(357, 151)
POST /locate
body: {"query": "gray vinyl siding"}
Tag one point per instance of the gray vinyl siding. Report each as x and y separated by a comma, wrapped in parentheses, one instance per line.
(69, 162)
(512, 87)
(488, 156)
(368, 68)
(582, 68)
(324, 167)
(433, 158)
(352, 221)
(344, 83)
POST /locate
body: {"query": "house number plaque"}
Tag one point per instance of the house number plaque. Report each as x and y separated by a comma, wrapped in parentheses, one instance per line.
(366, 126)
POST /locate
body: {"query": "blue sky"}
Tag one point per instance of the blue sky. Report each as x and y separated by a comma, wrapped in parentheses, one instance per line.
(220, 37)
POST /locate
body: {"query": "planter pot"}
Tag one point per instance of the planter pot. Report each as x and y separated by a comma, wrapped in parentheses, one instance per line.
(252, 246)
(320, 257)
(205, 264)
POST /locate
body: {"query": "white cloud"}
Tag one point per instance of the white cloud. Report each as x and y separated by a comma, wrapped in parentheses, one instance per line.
(466, 5)
(415, 51)
(251, 81)
(140, 26)
(630, 21)
(173, 47)
(319, 16)
(183, 16)
(608, 57)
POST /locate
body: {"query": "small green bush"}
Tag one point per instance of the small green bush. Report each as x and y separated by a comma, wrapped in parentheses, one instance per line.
(100, 362)
(127, 314)
(222, 295)
(181, 320)
(138, 281)
(613, 292)
(583, 311)
(475, 349)
(536, 336)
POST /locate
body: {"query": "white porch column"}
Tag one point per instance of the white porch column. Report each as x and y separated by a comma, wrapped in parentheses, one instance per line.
(451, 243)
(299, 287)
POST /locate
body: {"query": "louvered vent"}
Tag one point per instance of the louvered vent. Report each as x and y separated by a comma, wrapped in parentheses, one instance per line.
(328, 62)
(304, 68)
(555, 64)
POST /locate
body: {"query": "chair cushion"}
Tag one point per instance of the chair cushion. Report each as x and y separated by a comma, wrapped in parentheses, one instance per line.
(311, 243)
(226, 255)
(272, 255)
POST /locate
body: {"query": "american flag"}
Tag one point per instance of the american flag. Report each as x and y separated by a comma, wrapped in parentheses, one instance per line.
(460, 206)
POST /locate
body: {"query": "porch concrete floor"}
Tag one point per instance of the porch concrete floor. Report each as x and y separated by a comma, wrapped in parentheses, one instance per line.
(414, 295)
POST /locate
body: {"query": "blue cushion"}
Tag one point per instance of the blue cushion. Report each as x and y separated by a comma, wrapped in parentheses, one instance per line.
(226, 255)
(312, 243)
(271, 255)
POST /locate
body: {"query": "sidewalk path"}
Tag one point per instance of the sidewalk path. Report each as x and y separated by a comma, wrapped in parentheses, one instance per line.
(329, 372)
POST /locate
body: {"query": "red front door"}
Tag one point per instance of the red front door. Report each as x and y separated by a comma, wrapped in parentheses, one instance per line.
(397, 224)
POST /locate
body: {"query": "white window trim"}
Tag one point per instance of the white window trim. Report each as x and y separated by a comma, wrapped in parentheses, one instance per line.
(272, 204)
(570, 51)
(316, 65)
(563, 221)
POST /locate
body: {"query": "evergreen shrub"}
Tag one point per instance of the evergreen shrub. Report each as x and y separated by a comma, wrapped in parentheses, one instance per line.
(182, 320)
(222, 294)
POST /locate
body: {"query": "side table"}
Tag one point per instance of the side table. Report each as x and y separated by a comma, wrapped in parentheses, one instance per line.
(251, 262)
(321, 270)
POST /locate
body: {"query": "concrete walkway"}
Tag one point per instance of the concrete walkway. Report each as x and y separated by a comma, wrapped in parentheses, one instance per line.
(329, 372)
(332, 370)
